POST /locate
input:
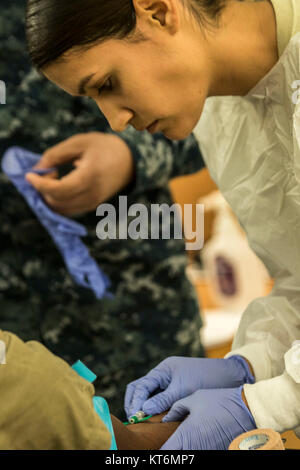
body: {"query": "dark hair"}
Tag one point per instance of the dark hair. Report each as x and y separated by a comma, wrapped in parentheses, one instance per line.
(206, 12)
(54, 27)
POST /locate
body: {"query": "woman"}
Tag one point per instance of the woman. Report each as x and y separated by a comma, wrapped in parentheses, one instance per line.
(65, 317)
(153, 64)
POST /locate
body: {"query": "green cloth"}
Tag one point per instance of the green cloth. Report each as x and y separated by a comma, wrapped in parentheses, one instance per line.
(46, 405)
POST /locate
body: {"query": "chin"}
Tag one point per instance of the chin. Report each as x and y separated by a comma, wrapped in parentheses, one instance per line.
(177, 134)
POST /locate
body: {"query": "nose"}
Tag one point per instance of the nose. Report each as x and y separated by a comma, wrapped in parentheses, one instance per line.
(117, 116)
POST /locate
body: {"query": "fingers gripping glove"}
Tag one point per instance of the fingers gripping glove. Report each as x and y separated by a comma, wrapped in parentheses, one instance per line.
(178, 377)
(215, 418)
(66, 233)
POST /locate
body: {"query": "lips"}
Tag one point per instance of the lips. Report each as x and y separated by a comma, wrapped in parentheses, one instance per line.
(152, 127)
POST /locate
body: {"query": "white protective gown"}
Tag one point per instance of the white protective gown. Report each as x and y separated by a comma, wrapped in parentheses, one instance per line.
(251, 146)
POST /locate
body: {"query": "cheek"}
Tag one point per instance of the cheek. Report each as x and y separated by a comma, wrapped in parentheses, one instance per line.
(148, 102)
(152, 91)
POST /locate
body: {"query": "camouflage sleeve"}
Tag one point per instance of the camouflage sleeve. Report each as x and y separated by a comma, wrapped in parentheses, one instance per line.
(158, 159)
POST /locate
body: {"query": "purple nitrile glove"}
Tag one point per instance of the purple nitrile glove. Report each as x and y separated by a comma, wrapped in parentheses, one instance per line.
(178, 377)
(215, 418)
(66, 233)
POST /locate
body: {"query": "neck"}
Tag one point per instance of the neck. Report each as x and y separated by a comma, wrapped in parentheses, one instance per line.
(244, 48)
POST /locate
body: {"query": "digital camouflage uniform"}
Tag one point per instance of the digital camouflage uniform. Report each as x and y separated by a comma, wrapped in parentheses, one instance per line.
(154, 312)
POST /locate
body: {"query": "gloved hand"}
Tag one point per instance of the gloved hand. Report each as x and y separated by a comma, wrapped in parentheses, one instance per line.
(103, 166)
(66, 233)
(179, 377)
(216, 417)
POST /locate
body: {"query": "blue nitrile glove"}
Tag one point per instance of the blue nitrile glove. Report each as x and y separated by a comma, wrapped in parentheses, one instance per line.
(215, 418)
(66, 233)
(178, 377)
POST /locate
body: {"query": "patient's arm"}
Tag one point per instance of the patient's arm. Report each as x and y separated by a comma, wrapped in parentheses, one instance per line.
(148, 435)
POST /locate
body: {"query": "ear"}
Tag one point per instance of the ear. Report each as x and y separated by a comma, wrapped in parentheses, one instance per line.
(162, 13)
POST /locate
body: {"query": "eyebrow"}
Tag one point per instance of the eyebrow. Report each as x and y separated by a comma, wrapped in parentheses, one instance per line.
(83, 83)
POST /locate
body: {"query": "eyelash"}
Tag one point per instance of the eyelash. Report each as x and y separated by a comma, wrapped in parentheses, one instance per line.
(105, 88)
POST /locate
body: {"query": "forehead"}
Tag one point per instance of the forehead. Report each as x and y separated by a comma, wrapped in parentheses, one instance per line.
(99, 59)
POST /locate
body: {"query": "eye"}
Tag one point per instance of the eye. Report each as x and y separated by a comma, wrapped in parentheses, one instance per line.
(105, 88)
